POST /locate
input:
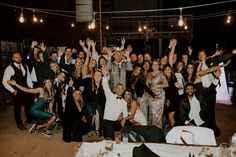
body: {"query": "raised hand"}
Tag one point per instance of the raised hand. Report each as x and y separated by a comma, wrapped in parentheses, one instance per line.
(81, 43)
(174, 42)
(217, 73)
(122, 40)
(190, 50)
(33, 44)
(88, 41)
(42, 46)
(93, 44)
(71, 82)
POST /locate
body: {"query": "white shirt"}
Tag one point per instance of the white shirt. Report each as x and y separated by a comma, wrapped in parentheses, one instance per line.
(195, 111)
(9, 72)
(180, 79)
(208, 78)
(113, 107)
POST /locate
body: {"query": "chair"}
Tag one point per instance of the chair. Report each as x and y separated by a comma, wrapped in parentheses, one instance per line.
(191, 135)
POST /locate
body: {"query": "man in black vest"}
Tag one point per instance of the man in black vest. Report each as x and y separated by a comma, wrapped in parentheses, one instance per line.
(20, 73)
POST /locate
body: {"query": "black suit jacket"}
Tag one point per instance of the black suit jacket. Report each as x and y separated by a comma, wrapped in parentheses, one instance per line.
(185, 109)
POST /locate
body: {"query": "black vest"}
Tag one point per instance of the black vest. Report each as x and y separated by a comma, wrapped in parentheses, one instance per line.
(18, 77)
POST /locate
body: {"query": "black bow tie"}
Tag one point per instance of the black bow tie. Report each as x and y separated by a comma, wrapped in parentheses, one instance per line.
(118, 97)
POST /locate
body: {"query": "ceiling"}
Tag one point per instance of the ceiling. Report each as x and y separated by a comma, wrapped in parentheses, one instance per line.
(57, 30)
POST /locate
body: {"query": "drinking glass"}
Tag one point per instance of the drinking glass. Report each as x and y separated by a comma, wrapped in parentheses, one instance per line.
(117, 137)
(125, 137)
(224, 150)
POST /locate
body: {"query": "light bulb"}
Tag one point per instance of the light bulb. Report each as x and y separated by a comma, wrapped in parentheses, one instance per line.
(72, 25)
(181, 21)
(140, 29)
(92, 25)
(228, 21)
(107, 27)
(185, 27)
(144, 27)
(21, 18)
(41, 20)
(89, 26)
(35, 18)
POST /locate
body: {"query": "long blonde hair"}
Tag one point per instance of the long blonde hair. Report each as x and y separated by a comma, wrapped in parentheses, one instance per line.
(48, 95)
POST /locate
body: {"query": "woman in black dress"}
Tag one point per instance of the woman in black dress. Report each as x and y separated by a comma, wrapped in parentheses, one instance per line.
(172, 96)
(74, 122)
(94, 99)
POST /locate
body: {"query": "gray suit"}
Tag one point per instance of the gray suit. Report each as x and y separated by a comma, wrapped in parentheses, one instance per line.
(118, 73)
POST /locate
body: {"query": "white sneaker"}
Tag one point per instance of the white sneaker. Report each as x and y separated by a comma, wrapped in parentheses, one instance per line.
(47, 133)
(33, 128)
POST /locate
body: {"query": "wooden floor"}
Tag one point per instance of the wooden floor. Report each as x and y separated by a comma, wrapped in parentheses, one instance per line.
(16, 143)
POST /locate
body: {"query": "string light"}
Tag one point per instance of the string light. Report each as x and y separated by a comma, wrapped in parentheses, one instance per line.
(35, 19)
(72, 25)
(107, 26)
(139, 27)
(228, 19)
(185, 24)
(92, 24)
(181, 21)
(89, 26)
(41, 20)
(62, 12)
(21, 18)
(186, 27)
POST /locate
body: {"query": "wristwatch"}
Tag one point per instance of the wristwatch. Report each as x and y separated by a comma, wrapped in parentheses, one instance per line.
(186, 122)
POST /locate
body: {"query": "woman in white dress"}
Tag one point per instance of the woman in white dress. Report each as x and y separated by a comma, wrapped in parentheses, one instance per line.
(135, 115)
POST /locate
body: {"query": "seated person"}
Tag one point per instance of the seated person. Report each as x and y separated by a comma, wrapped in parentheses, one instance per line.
(135, 115)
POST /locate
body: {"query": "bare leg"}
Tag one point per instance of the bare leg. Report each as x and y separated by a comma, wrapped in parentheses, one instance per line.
(50, 122)
(171, 116)
(97, 121)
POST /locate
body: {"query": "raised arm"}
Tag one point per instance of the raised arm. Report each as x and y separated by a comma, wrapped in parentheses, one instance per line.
(24, 89)
(172, 45)
(211, 69)
(85, 65)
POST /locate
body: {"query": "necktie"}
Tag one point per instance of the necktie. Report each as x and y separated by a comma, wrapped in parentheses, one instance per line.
(200, 68)
(20, 69)
(119, 70)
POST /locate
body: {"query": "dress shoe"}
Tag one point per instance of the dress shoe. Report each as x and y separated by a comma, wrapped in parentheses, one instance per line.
(21, 127)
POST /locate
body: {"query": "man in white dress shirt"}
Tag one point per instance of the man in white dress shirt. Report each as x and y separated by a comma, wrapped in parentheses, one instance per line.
(20, 73)
(191, 107)
(115, 109)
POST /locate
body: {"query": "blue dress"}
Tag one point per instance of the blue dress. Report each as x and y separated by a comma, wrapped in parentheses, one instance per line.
(38, 110)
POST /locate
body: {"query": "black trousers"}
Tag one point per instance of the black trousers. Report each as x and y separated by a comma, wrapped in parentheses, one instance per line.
(26, 100)
(210, 119)
(109, 127)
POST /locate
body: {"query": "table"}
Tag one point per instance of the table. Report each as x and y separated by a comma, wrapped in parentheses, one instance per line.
(192, 135)
(125, 150)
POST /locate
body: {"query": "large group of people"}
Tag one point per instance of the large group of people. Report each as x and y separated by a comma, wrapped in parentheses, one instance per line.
(103, 92)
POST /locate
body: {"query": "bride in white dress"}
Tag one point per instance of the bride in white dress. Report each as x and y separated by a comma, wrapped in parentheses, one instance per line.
(135, 115)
